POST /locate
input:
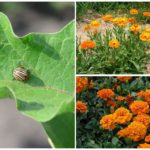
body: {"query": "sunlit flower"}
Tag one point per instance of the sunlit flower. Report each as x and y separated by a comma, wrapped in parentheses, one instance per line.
(124, 78)
(122, 115)
(105, 94)
(81, 84)
(144, 145)
(123, 21)
(139, 107)
(81, 106)
(120, 98)
(107, 122)
(143, 118)
(107, 18)
(88, 44)
(135, 28)
(135, 131)
(133, 11)
(145, 36)
(114, 43)
(95, 23)
(147, 138)
(146, 14)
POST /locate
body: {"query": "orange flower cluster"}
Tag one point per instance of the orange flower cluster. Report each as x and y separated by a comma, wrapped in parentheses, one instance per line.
(136, 131)
(145, 95)
(105, 94)
(81, 106)
(88, 44)
(147, 138)
(114, 43)
(134, 12)
(135, 28)
(146, 14)
(120, 98)
(107, 18)
(124, 78)
(139, 107)
(81, 84)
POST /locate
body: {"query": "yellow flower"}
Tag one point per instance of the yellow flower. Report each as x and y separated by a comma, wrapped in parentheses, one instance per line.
(144, 145)
(107, 18)
(136, 131)
(139, 107)
(135, 28)
(114, 43)
(133, 11)
(122, 116)
(145, 36)
(95, 23)
(107, 122)
(123, 21)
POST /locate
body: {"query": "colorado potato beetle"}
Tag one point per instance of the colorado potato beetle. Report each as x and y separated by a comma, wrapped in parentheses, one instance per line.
(20, 74)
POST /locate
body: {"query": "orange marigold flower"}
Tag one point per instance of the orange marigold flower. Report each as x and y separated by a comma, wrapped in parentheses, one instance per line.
(91, 85)
(87, 27)
(135, 28)
(129, 99)
(143, 118)
(107, 18)
(139, 107)
(145, 36)
(134, 12)
(124, 78)
(146, 96)
(105, 94)
(123, 21)
(144, 145)
(146, 14)
(88, 44)
(95, 23)
(107, 122)
(122, 115)
(114, 43)
(120, 98)
(136, 131)
(81, 84)
(81, 106)
(147, 30)
(132, 19)
(147, 138)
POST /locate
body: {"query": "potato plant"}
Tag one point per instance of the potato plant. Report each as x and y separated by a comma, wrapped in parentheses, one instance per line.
(46, 92)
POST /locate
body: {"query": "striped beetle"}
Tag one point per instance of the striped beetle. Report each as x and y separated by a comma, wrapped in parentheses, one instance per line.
(20, 74)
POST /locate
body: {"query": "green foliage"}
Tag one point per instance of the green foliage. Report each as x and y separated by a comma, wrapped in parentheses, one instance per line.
(109, 7)
(89, 132)
(47, 96)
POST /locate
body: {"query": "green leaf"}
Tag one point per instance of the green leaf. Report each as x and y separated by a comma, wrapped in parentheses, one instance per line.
(115, 140)
(49, 92)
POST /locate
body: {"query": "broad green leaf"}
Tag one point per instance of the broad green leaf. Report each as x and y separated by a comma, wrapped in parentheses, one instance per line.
(48, 94)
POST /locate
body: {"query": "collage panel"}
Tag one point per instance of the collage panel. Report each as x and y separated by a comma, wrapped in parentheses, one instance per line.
(113, 112)
(113, 38)
(37, 74)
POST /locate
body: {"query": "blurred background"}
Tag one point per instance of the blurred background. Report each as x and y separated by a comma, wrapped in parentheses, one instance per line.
(16, 130)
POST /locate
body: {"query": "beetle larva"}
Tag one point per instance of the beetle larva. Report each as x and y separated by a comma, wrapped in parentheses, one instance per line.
(20, 74)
